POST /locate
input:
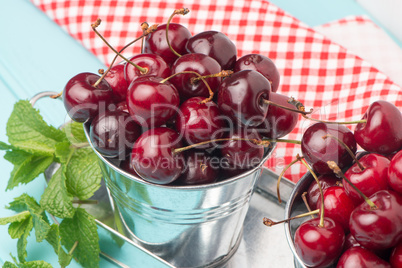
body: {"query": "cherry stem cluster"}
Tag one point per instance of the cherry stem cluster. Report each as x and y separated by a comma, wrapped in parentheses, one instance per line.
(223, 73)
(182, 11)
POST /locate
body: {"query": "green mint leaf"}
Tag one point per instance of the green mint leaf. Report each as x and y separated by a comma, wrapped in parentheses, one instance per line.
(42, 228)
(19, 204)
(5, 146)
(81, 228)
(26, 167)
(75, 132)
(53, 238)
(17, 217)
(64, 258)
(35, 264)
(83, 173)
(18, 228)
(27, 130)
(8, 264)
(56, 200)
(22, 241)
(63, 151)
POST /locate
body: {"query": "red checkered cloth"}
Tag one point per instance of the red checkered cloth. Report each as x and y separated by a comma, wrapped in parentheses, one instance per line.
(318, 72)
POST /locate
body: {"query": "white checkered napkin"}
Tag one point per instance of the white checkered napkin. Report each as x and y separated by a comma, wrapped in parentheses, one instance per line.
(318, 72)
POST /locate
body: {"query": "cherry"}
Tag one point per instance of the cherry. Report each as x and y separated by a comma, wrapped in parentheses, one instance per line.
(382, 133)
(152, 103)
(242, 154)
(350, 242)
(241, 97)
(82, 100)
(201, 64)
(378, 227)
(279, 122)
(395, 173)
(313, 192)
(370, 179)
(262, 64)
(216, 45)
(116, 80)
(156, 43)
(113, 133)
(338, 205)
(319, 246)
(153, 156)
(360, 257)
(151, 63)
(126, 166)
(317, 150)
(396, 256)
(199, 122)
(200, 168)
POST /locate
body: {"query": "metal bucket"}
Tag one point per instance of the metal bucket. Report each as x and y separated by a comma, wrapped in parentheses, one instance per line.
(188, 226)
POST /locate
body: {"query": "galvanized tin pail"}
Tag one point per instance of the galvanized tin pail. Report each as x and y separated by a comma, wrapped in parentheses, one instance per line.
(188, 226)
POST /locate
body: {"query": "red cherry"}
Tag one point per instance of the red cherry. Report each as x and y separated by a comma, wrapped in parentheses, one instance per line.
(319, 246)
(379, 228)
(156, 43)
(313, 192)
(262, 64)
(153, 64)
(153, 156)
(350, 242)
(396, 256)
(317, 151)
(241, 96)
(116, 80)
(216, 45)
(199, 122)
(395, 173)
(370, 180)
(201, 64)
(152, 103)
(360, 257)
(382, 133)
(82, 100)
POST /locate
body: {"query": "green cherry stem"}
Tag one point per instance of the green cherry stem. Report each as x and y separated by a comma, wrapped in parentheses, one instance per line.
(278, 194)
(182, 11)
(269, 222)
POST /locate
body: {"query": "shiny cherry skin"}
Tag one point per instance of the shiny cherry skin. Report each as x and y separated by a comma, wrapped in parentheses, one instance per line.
(337, 206)
(380, 228)
(200, 168)
(319, 246)
(350, 242)
(82, 100)
(201, 64)
(153, 156)
(382, 133)
(156, 43)
(395, 173)
(317, 151)
(242, 154)
(313, 192)
(279, 122)
(152, 103)
(241, 95)
(360, 257)
(262, 64)
(153, 63)
(370, 180)
(113, 133)
(199, 122)
(116, 80)
(127, 167)
(396, 256)
(216, 45)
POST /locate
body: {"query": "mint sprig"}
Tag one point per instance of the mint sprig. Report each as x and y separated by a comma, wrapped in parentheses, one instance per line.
(32, 147)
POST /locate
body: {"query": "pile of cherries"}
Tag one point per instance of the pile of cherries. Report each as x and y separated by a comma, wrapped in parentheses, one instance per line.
(185, 110)
(358, 196)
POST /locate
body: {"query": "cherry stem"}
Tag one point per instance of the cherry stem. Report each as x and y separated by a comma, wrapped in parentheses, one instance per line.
(264, 143)
(304, 198)
(223, 73)
(286, 108)
(211, 93)
(347, 149)
(301, 107)
(321, 224)
(144, 28)
(278, 194)
(270, 223)
(182, 11)
(142, 70)
(332, 165)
